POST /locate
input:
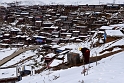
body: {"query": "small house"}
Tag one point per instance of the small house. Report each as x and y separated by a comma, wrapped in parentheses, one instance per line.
(10, 19)
(21, 38)
(112, 8)
(50, 29)
(2, 10)
(82, 37)
(38, 23)
(58, 22)
(116, 20)
(3, 45)
(39, 39)
(49, 57)
(100, 23)
(2, 13)
(55, 63)
(75, 33)
(8, 75)
(112, 35)
(82, 29)
(63, 18)
(67, 25)
(6, 36)
(64, 35)
(55, 34)
(7, 41)
(14, 45)
(14, 31)
(99, 7)
(65, 40)
(45, 34)
(47, 24)
(48, 40)
(38, 18)
(103, 28)
(24, 13)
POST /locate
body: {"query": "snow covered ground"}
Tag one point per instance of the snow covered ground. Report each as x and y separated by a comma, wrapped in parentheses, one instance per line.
(19, 58)
(6, 52)
(108, 70)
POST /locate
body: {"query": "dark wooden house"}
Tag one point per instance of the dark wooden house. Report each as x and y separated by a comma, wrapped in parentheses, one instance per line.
(112, 8)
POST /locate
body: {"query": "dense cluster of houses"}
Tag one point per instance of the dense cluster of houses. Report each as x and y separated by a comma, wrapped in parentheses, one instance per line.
(55, 24)
(46, 24)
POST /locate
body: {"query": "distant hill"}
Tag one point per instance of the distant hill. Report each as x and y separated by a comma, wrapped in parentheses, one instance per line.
(65, 2)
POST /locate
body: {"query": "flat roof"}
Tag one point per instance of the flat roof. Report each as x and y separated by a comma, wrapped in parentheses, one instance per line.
(116, 33)
(7, 73)
(106, 27)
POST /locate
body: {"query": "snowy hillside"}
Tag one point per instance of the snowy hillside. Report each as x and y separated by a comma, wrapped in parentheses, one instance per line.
(108, 70)
(65, 2)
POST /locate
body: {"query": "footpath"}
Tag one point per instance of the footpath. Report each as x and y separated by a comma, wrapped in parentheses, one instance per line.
(16, 53)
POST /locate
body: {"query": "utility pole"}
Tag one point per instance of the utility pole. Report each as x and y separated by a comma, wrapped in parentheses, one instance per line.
(113, 1)
(99, 2)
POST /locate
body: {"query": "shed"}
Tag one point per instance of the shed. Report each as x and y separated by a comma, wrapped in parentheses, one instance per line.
(76, 33)
(73, 58)
(49, 57)
(4, 45)
(82, 29)
(39, 39)
(8, 75)
(25, 72)
(113, 35)
(38, 23)
(63, 18)
(103, 28)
